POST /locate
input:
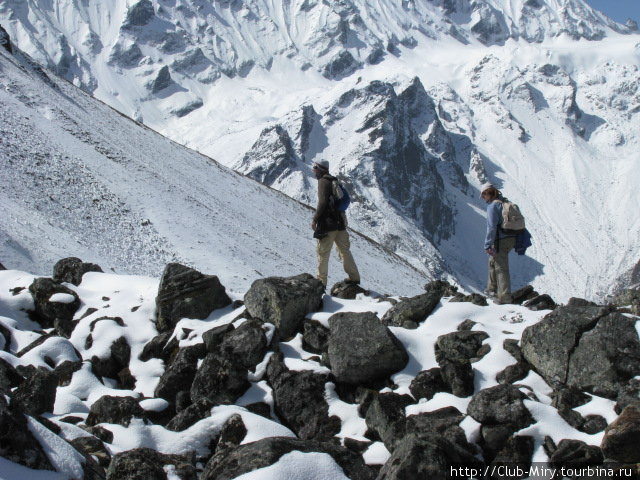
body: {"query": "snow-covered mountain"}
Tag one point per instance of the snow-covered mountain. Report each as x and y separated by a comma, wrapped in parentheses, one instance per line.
(79, 179)
(415, 103)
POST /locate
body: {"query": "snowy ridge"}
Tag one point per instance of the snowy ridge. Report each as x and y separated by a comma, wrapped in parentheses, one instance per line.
(79, 179)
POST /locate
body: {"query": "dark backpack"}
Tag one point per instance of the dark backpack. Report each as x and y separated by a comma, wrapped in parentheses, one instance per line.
(340, 196)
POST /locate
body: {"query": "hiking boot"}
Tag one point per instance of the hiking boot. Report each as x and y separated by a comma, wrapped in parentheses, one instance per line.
(489, 293)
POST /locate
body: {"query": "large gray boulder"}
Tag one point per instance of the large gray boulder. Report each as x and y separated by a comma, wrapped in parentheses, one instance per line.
(119, 410)
(590, 348)
(361, 350)
(300, 401)
(187, 293)
(179, 375)
(220, 379)
(253, 456)
(284, 302)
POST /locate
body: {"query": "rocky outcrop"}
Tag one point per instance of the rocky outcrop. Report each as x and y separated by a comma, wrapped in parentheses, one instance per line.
(5, 41)
(454, 352)
(284, 302)
(248, 343)
(180, 373)
(220, 379)
(362, 350)
(72, 269)
(252, 456)
(37, 393)
(590, 348)
(187, 293)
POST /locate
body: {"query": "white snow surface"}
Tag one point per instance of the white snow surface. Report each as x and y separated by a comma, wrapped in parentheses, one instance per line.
(500, 322)
(550, 100)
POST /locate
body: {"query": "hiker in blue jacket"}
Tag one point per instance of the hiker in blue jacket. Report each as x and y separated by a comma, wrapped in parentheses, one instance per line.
(497, 245)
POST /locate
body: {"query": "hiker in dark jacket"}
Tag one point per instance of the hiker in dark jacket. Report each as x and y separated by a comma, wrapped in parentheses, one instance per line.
(497, 245)
(329, 227)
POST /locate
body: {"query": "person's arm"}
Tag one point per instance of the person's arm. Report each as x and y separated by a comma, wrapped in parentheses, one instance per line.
(324, 192)
(494, 214)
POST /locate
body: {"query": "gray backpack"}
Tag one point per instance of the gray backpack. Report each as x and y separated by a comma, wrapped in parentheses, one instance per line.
(512, 218)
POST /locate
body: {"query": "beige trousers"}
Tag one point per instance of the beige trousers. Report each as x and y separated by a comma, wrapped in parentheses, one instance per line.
(323, 249)
(499, 279)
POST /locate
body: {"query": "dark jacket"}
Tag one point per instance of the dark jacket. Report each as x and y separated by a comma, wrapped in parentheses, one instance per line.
(327, 218)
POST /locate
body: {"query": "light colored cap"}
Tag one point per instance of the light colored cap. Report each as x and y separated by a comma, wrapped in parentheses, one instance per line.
(322, 164)
(485, 187)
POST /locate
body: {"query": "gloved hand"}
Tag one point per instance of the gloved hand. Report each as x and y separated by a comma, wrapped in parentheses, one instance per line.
(490, 251)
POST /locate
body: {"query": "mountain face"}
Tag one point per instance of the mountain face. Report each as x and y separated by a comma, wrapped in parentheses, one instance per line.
(415, 104)
(80, 179)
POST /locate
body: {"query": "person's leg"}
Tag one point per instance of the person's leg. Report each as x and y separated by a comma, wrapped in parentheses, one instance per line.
(501, 268)
(323, 250)
(491, 277)
(344, 252)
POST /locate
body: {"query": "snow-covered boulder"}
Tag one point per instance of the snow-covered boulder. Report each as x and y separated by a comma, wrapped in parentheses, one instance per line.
(53, 302)
(110, 409)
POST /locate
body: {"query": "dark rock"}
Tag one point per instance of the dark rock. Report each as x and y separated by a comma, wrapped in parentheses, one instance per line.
(180, 374)
(36, 343)
(386, 417)
(466, 325)
(523, 294)
(260, 408)
(300, 401)
(9, 377)
(161, 346)
(37, 393)
(454, 352)
(252, 456)
(425, 456)
(72, 269)
(628, 395)
(65, 372)
(585, 347)
(343, 65)
(593, 424)
(17, 444)
(412, 311)
(461, 345)
(347, 290)
(187, 293)
(315, 337)
(513, 373)
(362, 350)
(474, 298)
(220, 379)
(427, 383)
(120, 410)
(212, 338)
(500, 405)
(541, 302)
(5, 42)
(511, 346)
(517, 452)
(444, 422)
(284, 302)
(356, 446)
(102, 433)
(120, 354)
(47, 312)
(580, 302)
(191, 415)
(575, 454)
(139, 14)
(627, 297)
(248, 343)
(445, 287)
(92, 447)
(231, 435)
(494, 439)
(147, 464)
(622, 437)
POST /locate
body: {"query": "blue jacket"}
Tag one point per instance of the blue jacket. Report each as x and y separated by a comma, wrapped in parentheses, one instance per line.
(494, 219)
